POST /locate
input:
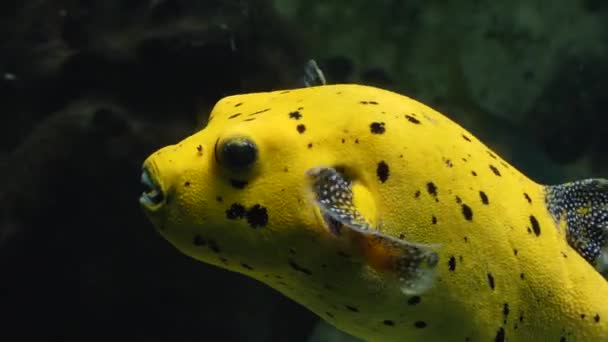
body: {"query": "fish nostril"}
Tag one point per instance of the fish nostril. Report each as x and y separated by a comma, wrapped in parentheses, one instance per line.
(152, 194)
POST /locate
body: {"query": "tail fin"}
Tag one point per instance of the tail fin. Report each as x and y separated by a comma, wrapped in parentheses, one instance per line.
(583, 207)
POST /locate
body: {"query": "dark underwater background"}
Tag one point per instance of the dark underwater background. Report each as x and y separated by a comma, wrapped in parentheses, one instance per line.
(89, 88)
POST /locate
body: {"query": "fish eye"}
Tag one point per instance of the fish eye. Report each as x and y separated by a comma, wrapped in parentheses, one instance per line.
(237, 153)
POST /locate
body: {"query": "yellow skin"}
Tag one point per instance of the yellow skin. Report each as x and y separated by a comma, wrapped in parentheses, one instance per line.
(500, 276)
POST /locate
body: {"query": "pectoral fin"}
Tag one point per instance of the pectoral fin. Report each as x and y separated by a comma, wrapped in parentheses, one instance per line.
(412, 264)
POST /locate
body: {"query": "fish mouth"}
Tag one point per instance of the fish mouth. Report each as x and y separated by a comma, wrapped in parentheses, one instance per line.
(152, 196)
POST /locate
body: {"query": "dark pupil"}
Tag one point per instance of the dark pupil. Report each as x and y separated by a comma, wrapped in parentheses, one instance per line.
(239, 153)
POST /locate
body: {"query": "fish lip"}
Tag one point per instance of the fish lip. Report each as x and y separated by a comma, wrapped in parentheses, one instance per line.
(152, 197)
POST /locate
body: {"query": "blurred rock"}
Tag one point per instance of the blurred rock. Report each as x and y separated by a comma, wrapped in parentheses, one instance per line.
(377, 77)
(156, 57)
(564, 116)
(338, 69)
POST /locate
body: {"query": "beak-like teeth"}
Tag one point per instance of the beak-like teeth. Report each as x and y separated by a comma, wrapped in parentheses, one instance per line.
(152, 194)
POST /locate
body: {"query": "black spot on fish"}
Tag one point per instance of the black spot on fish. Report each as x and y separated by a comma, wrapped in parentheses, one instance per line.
(238, 104)
(377, 127)
(417, 194)
(309, 145)
(186, 184)
(414, 300)
(199, 149)
(431, 188)
(373, 102)
(329, 314)
(452, 263)
(491, 280)
(382, 171)
(257, 216)
(466, 239)
(535, 225)
(214, 246)
(234, 116)
(238, 184)
(466, 138)
(236, 211)
(219, 198)
(247, 266)
(301, 128)
(505, 311)
(285, 92)
(484, 198)
(356, 141)
(299, 268)
(467, 212)
(500, 335)
(522, 276)
(199, 241)
(343, 140)
(583, 316)
(527, 197)
(352, 308)
(259, 112)
(250, 119)
(389, 323)
(515, 251)
(495, 170)
(434, 220)
(596, 318)
(420, 324)
(491, 154)
(412, 119)
(295, 115)
(474, 173)
(562, 339)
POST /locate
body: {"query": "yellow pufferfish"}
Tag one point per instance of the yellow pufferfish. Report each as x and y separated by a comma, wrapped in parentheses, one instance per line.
(385, 218)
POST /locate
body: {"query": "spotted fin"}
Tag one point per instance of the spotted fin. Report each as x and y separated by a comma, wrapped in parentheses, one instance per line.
(583, 207)
(413, 264)
(313, 76)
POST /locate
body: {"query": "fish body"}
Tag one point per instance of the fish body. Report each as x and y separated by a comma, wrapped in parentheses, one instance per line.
(383, 217)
